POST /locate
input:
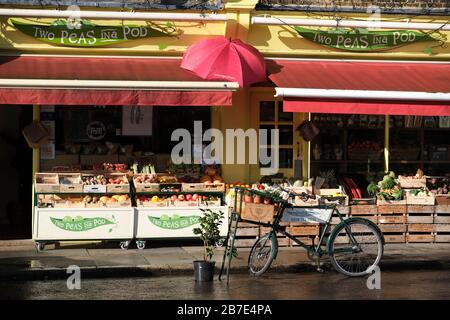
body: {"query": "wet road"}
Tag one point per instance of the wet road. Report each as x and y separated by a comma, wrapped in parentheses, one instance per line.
(330, 285)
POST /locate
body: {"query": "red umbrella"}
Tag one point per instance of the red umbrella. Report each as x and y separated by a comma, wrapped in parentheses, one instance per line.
(226, 60)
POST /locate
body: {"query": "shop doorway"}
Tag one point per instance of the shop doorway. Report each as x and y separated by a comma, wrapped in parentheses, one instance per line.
(16, 173)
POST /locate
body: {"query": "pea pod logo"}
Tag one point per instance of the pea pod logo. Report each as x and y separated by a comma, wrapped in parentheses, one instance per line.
(79, 224)
(174, 222)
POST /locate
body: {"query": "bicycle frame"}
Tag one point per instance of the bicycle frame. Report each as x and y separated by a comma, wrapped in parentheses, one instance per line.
(277, 228)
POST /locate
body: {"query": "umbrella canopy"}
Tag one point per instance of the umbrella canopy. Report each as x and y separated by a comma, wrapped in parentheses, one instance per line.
(223, 59)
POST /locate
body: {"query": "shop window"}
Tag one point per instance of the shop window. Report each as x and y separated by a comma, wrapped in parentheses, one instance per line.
(271, 116)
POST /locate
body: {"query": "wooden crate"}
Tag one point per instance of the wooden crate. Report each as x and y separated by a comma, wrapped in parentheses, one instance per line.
(393, 228)
(70, 183)
(214, 187)
(415, 183)
(442, 237)
(420, 227)
(247, 231)
(192, 187)
(306, 240)
(244, 243)
(46, 182)
(258, 212)
(392, 219)
(146, 187)
(118, 188)
(96, 188)
(283, 241)
(395, 237)
(392, 209)
(420, 218)
(420, 238)
(153, 204)
(441, 218)
(442, 228)
(443, 199)
(420, 209)
(121, 204)
(344, 210)
(210, 203)
(305, 229)
(363, 210)
(420, 200)
(185, 203)
(373, 218)
(442, 209)
(391, 203)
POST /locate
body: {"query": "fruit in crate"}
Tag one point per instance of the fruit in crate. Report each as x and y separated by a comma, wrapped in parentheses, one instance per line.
(174, 198)
(257, 199)
(181, 197)
(155, 199)
(116, 181)
(94, 180)
(188, 197)
(146, 178)
(421, 192)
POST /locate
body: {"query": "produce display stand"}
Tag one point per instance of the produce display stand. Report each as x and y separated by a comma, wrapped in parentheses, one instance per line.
(67, 221)
(65, 209)
(172, 219)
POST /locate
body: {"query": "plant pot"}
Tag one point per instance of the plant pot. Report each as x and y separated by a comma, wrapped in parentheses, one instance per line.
(204, 270)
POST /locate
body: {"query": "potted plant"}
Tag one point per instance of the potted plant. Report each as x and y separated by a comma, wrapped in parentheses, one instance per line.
(209, 233)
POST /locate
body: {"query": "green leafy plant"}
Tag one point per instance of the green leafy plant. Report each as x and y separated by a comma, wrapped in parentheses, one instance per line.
(372, 189)
(209, 231)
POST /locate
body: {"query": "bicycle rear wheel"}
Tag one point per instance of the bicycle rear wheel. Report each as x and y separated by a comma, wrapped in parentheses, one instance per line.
(355, 247)
(261, 255)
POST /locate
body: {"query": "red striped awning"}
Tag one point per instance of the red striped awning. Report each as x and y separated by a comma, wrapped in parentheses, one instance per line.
(360, 87)
(128, 70)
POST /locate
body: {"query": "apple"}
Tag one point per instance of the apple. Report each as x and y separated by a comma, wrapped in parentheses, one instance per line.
(188, 197)
(257, 199)
(266, 200)
(181, 197)
(248, 198)
(195, 197)
(174, 198)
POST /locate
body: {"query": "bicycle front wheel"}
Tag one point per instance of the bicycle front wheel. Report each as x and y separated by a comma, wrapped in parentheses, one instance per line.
(261, 255)
(355, 247)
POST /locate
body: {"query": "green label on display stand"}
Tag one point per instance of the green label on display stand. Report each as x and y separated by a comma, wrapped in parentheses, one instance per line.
(87, 34)
(363, 40)
(78, 224)
(174, 222)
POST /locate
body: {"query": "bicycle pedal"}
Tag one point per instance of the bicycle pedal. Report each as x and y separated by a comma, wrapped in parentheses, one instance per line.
(320, 270)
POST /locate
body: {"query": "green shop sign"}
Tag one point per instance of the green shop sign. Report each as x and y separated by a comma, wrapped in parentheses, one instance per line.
(363, 40)
(174, 222)
(78, 223)
(87, 34)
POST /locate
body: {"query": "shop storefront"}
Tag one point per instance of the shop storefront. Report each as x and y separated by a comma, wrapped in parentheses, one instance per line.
(379, 97)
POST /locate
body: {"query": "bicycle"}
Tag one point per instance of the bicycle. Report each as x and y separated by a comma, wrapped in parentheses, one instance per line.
(354, 246)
